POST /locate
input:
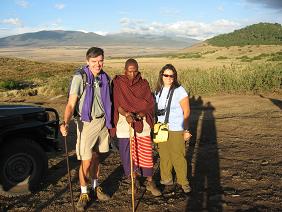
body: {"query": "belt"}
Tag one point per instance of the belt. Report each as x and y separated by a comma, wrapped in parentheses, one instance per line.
(101, 116)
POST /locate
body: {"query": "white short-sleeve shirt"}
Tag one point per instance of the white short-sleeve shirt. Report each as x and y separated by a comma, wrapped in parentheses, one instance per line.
(176, 117)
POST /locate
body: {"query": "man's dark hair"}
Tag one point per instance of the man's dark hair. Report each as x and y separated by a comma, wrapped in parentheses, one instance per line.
(131, 62)
(160, 83)
(94, 52)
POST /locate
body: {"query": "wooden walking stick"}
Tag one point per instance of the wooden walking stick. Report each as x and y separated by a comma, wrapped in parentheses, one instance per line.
(69, 175)
(131, 167)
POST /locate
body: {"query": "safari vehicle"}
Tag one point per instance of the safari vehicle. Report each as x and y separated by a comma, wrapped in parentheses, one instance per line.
(26, 134)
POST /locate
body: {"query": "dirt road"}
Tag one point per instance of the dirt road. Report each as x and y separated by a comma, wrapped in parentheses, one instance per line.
(234, 162)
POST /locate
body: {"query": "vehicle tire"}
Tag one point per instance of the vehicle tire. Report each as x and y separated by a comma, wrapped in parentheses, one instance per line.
(23, 164)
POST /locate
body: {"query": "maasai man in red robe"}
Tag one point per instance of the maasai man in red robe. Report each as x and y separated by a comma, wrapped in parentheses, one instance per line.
(134, 105)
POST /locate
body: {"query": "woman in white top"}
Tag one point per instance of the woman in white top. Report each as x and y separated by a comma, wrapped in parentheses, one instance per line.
(172, 152)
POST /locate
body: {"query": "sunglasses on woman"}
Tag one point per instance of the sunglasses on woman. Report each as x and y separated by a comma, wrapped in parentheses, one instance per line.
(167, 75)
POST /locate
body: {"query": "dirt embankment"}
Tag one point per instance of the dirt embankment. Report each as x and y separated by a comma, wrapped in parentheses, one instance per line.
(234, 164)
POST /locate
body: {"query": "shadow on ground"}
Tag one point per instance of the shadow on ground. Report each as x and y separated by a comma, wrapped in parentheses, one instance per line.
(205, 181)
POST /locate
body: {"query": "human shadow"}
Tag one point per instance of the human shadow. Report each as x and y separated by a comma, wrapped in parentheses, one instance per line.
(110, 185)
(276, 102)
(112, 182)
(196, 107)
(206, 188)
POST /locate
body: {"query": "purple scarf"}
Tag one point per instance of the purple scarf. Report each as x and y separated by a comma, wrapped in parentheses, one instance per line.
(89, 96)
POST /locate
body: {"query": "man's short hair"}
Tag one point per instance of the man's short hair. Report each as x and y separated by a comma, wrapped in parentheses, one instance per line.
(131, 62)
(94, 52)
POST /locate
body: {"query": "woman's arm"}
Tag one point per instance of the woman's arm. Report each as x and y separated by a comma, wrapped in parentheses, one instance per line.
(184, 103)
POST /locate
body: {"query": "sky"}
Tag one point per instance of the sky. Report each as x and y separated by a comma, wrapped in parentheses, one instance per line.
(199, 19)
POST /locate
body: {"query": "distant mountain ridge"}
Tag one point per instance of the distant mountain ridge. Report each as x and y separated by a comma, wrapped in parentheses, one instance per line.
(256, 34)
(77, 38)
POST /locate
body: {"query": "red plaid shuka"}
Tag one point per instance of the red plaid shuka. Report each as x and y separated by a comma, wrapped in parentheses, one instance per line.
(142, 151)
(133, 96)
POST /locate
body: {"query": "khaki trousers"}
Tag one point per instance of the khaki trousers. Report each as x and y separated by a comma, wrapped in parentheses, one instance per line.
(91, 135)
(172, 155)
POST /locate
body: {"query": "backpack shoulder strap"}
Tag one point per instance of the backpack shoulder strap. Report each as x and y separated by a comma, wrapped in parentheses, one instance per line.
(84, 79)
(83, 75)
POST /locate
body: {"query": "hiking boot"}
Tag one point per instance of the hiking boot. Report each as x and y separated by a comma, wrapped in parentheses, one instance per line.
(167, 182)
(151, 186)
(186, 188)
(82, 202)
(101, 195)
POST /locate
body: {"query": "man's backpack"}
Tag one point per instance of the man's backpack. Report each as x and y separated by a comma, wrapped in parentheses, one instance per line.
(81, 72)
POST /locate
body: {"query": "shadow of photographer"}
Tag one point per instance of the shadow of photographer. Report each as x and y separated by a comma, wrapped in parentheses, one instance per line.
(202, 155)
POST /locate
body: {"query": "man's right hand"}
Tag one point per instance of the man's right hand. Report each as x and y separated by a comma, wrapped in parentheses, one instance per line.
(64, 128)
(129, 118)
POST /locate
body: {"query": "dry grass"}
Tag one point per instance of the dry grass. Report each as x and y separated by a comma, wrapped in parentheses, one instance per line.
(76, 54)
(217, 70)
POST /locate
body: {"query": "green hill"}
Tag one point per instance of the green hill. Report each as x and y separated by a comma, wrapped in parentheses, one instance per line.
(256, 34)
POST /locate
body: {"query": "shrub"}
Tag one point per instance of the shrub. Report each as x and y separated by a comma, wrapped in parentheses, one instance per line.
(10, 85)
(221, 58)
(276, 56)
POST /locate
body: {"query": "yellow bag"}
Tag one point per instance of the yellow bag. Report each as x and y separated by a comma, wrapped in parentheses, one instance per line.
(160, 133)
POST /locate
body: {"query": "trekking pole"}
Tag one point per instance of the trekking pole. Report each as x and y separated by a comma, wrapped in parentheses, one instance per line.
(69, 174)
(131, 167)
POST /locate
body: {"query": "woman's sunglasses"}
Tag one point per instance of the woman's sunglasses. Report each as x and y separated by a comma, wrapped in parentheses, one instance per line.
(167, 75)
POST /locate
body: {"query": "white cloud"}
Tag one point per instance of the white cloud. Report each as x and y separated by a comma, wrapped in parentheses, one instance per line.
(83, 30)
(12, 21)
(220, 8)
(225, 24)
(132, 22)
(16, 31)
(59, 6)
(22, 3)
(4, 30)
(55, 25)
(103, 33)
(192, 29)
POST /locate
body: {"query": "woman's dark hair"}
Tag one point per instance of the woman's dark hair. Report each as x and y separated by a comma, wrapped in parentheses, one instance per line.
(160, 83)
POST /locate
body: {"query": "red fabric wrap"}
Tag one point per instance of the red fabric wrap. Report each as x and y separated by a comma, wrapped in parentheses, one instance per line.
(142, 153)
(133, 96)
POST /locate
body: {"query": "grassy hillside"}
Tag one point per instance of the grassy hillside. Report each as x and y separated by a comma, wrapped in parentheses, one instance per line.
(256, 34)
(32, 77)
(20, 77)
